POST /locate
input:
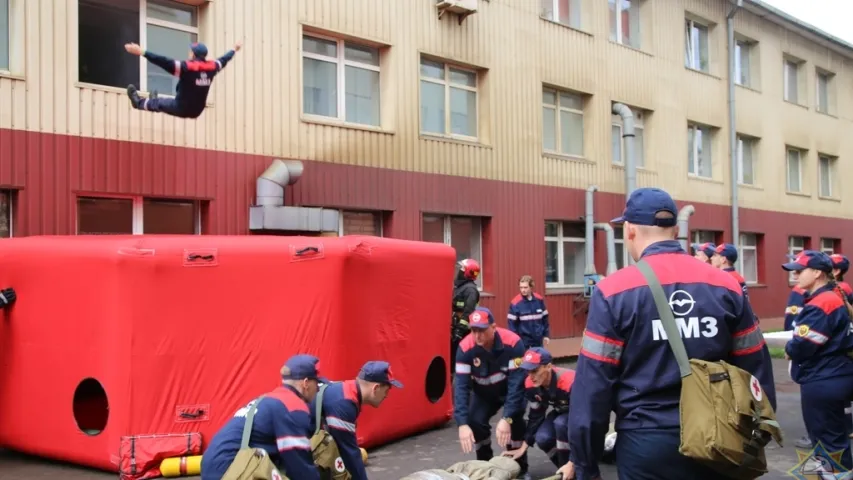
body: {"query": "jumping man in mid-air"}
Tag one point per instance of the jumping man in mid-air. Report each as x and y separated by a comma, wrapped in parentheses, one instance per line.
(195, 77)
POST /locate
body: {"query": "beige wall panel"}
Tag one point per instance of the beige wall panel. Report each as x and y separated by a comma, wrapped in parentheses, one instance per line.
(256, 102)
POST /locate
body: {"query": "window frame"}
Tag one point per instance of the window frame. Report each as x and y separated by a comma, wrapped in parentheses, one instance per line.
(619, 239)
(138, 207)
(447, 84)
(706, 130)
(824, 249)
(341, 63)
(788, 150)
(617, 35)
(10, 207)
(561, 239)
(830, 167)
(447, 220)
(743, 50)
(144, 21)
(574, 16)
(557, 107)
(827, 79)
(741, 141)
(689, 25)
(794, 250)
(744, 248)
(639, 124)
(786, 64)
(696, 236)
(8, 68)
(376, 214)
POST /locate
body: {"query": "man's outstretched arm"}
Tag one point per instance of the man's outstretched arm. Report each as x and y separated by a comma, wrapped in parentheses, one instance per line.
(168, 64)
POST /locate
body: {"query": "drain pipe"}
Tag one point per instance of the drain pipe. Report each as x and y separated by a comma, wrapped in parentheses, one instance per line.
(628, 138)
(611, 247)
(683, 225)
(590, 231)
(270, 185)
(735, 174)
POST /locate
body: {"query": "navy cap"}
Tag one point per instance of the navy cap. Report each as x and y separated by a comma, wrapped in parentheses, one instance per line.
(199, 50)
(378, 372)
(300, 367)
(840, 262)
(644, 204)
(481, 318)
(707, 248)
(534, 358)
(728, 251)
(810, 259)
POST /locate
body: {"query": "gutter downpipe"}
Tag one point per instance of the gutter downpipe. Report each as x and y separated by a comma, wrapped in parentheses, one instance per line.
(589, 231)
(628, 133)
(683, 225)
(611, 246)
(730, 27)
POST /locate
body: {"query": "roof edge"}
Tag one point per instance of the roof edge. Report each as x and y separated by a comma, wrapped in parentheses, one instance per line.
(782, 18)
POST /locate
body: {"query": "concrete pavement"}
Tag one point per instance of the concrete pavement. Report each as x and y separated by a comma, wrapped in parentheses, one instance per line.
(440, 448)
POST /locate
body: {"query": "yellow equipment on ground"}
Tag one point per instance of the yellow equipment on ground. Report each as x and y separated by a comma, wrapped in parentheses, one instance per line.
(180, 466)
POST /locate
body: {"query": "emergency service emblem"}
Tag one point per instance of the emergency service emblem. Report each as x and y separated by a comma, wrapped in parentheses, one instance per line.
(755, 389)
(518, 362)
(339, 465)
(802, 330)
(528, 357)
(476, 361)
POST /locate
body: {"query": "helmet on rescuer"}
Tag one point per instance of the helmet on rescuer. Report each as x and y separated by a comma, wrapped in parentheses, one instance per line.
(469, 268)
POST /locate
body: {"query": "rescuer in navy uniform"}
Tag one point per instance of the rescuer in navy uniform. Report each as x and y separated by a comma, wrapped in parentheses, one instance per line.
(466, 296)
(840, 265)
(626, 363)
(703, 251)
(821, 350)
(195, 78)
(528, 315)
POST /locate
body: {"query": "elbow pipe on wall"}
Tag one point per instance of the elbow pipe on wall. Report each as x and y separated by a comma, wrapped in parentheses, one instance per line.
(611, 247)
(684, 225)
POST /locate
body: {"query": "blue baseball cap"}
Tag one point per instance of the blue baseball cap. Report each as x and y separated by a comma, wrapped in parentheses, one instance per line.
(378, 372)
(644, 204)
(300, 367)
(481, 318)
(810, 259)
(199, 50)
(707, 248)
(728, 251)
(535, 358)
(840, 262)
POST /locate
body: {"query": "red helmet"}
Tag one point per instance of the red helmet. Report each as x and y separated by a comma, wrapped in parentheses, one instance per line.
(470, 268)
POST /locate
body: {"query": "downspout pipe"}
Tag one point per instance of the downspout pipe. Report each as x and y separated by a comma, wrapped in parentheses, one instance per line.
(589, 231)
(628, 134)
(735, 173)
(270, 185)
(683, 225)
(611, 246)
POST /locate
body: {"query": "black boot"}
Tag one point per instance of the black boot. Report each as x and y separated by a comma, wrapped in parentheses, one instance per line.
(133, 94)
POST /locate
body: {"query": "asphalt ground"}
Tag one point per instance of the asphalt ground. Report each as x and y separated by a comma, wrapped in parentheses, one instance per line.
(439, 448)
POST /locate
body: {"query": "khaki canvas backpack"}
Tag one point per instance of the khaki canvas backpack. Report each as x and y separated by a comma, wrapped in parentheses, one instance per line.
(323, 447)
(726, 419)
(252, 463)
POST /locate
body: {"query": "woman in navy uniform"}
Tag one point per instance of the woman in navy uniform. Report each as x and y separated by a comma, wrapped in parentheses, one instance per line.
(821, 349)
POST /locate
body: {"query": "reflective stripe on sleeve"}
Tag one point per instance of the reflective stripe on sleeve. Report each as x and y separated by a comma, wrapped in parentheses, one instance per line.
(747, 341)
(533, 405)
(463, 369)
(601, 348)
(290, 443)
(512, 365)
(177, 71)
(812, 336)
(491, 379)
(510, 316)
(337, 423)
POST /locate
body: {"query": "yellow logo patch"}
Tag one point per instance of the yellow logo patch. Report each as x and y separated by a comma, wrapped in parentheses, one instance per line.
(803, 330)
(518, 362)
(794, 309)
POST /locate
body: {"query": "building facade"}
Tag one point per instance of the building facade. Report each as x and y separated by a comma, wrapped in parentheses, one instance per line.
(482, 132)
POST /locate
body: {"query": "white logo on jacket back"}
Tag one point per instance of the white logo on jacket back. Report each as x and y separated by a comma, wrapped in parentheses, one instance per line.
(682, 303)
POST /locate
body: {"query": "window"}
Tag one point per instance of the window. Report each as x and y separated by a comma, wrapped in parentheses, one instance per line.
(791, 84)
(465, 234)
(625, 22)
(361, 223)
(743, 50)
(795, 246)
(745, 159)
(562, 122)
(565, 248)
(795, 170)
(827, 174)
(448, 99)
(822, 88)
(5, 214)
(704, 236)
(167, 27)
(699, 150)
(340, 80)
(137, 215)
(827, 245)
(5, 35)
(748, 264)
(567, 12)
(617, 142)
(696, 46)
(621, 251)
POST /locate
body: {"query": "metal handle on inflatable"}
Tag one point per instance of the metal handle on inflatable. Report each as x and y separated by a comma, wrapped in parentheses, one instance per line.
(305, 250)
